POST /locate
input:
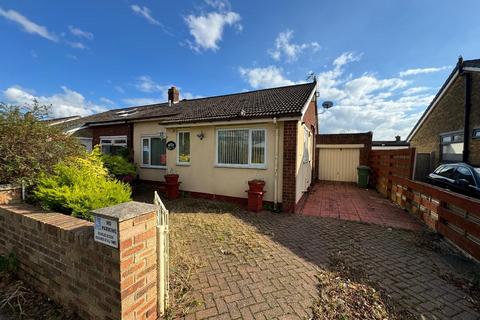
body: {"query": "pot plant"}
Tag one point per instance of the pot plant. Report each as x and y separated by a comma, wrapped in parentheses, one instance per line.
(256, 185)
(171, 177)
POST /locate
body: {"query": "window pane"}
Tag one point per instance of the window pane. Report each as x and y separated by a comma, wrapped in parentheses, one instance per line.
(146, 151)
(106, 149)
(464, 173)
(447, 172)
(452, 152)
(258, 146)
(184, 147)
(117, 150)
(233, 147)
(158, 152)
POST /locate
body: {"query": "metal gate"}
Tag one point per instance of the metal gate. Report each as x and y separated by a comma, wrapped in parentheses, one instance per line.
(163, 253)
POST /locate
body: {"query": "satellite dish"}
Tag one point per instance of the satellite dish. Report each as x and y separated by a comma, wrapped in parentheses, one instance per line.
(327, 104)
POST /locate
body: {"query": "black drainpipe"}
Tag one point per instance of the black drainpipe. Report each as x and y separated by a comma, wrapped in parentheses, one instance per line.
(466, 121)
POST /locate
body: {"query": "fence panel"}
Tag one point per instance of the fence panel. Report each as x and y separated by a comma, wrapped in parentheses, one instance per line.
(453, 215)
(386, 163)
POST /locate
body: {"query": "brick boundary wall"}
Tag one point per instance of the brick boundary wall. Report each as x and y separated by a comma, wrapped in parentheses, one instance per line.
(364, 138)
(289, 165)
(59, 257)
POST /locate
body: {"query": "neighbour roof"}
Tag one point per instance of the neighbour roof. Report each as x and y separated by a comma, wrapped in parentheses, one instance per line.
(464, 64)
(273, 102)
(55, 121)
(390, 143)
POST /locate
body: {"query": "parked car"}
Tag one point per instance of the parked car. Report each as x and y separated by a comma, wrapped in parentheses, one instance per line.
(457, 177)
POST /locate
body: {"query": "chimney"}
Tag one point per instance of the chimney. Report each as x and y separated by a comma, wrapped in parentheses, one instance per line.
(397, 138)
(173, 95)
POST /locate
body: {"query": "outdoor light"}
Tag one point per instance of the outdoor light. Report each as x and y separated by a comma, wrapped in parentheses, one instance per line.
(200, 135)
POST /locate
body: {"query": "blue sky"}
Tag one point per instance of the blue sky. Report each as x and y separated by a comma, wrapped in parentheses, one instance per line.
(381, 62)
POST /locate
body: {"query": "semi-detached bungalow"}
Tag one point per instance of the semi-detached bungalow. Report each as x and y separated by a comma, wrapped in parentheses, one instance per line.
(217, 144)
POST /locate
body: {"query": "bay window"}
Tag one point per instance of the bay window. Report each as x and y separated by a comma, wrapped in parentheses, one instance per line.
(183, 154)
(154, 152)
(241, 148)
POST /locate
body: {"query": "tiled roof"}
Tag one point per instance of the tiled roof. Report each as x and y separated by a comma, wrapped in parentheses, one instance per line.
(274, 102)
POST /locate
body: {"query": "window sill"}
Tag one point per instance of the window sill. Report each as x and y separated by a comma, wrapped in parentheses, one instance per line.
(240, 166)
(183, 164)
(153, 167)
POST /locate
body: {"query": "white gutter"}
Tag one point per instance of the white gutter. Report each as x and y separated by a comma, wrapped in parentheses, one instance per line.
(275, 177)
(225, 123)
(424, 116)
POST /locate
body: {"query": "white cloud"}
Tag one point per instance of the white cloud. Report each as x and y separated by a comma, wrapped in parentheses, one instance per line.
(144, 12)
(146, 84)
(413, 72)
(80, 33)
(141, 101)
(207, 29)
(414, 90)
(270, 76)
(77, 45)
(107, 101)
(66, 103)
(284, 47)
(28, 25)
(388, 107)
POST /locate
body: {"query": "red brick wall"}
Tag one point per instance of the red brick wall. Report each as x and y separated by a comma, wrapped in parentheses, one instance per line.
(58, 256)
(289, 165)
(125, 129)
(349, 138)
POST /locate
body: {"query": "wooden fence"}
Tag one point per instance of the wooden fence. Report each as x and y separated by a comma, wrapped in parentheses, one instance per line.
(385, 164)
(455, 216)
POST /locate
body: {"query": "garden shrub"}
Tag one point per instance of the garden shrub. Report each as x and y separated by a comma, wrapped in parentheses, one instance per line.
(118, 166)
(80, 185)
(28, 146)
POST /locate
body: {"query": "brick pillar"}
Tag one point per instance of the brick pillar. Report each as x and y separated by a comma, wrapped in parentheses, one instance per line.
(137, 258)
(289, 165)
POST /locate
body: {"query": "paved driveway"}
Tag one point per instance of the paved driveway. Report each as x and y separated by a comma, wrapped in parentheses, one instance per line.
(263, 266)
(346, 201)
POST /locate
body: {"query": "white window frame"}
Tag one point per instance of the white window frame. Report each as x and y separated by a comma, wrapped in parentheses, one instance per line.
(113, 143)
(181, 163)
(250, 165)
(143, 165)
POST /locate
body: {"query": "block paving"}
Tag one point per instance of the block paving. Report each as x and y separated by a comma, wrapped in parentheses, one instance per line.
(346, 201)
(263, 266)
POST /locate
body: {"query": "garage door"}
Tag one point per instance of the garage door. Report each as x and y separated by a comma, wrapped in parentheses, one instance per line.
(338, 164)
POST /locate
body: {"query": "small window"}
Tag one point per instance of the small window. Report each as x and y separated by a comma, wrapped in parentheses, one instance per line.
(183, 148)
(476, 133)
(115, 145)
(154, 152)
(241, 148)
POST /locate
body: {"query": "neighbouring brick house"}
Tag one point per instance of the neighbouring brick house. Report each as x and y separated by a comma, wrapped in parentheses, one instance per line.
(217, 144)
(449, 130)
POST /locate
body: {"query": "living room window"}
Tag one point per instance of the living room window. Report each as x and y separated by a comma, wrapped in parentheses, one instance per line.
(154, 152)
(241, 148)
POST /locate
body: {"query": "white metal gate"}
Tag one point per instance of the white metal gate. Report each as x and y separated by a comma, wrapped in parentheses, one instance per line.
(163, 273)
(338, 164)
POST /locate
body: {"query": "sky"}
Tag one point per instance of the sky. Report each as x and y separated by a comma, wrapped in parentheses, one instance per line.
(380, 61)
